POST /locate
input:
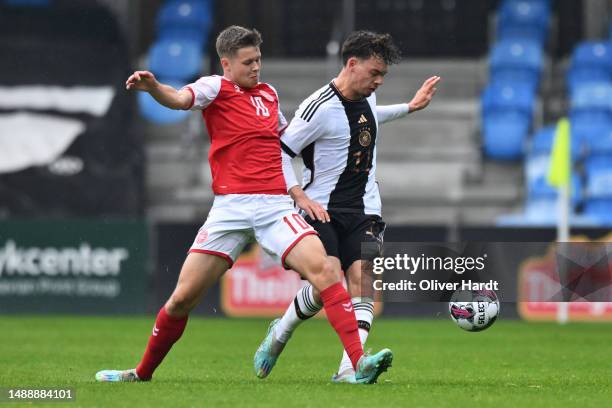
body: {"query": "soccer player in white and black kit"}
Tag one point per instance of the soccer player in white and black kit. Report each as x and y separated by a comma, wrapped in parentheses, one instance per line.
(335, 130)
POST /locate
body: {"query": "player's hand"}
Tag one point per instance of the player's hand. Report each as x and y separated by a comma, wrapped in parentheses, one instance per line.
(314, 210)
(424, 95)
(141, 81)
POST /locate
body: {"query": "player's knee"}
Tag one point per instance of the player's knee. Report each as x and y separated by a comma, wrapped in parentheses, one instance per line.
(328, 270)
(179, 305)
(323, 271)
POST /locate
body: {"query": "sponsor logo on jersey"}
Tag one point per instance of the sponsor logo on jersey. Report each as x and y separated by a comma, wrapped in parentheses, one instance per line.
(365, 138)
(362, 119)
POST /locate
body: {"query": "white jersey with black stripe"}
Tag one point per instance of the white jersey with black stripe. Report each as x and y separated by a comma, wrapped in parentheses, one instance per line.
(336, 138)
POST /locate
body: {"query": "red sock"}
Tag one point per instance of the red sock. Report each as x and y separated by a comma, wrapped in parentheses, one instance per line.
(166, 332)
(339, 309)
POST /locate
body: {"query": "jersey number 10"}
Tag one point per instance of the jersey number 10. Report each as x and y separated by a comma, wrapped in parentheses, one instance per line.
(297, 219)
(260, 108)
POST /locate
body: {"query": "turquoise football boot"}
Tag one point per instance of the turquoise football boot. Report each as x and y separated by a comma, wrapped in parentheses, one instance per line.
(268, 352)
(370, 367)
(117, 376)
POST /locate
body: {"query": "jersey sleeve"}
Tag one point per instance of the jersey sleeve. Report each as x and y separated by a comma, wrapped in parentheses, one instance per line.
(288, 172)
(391, 112)
(303, 130)
(204, 91)
(282, 122)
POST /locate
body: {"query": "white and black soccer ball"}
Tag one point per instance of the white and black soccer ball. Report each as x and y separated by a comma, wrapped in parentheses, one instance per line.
(474, 310)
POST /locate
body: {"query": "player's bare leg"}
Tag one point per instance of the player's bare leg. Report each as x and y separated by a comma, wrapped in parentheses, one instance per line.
(199, 272)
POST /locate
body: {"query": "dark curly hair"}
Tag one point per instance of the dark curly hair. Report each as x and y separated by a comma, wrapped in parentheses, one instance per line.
(235, 37)
(365, 44)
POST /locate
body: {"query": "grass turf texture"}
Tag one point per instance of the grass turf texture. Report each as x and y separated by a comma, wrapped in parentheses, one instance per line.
(436, 364)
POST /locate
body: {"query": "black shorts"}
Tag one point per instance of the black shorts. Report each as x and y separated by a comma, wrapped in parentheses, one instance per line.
(343, 235)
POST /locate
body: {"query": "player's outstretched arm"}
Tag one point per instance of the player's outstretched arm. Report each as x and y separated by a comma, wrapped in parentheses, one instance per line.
(423, 96)
(164, 94)
(420, 101)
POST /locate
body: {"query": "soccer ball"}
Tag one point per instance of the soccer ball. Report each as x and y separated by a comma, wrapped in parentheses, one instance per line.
(474, 310)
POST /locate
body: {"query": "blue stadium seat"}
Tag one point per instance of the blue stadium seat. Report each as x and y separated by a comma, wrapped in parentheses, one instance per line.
(153, 112)
(591, 111)
(591, 62)
(599, 209)
(190, 19)
(598, 170)
(544, 214)
(511, 96)
(599, 184)
(593, 53)
(542, 207)
(536, 172)
(592, 96)
(178, 60)
(516, 61)
(504, 135)
(524, 20)
(539, 189)
(544, 211)
(585, 122)
(507, 112)
(595, 136)
(180, 34)
(542, 141)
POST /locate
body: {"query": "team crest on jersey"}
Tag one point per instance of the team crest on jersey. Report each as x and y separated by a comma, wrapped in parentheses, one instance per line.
(365, 138)
(266, 95)
(202, 237)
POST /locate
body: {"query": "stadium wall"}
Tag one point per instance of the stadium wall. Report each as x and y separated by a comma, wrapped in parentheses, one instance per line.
(128, 267)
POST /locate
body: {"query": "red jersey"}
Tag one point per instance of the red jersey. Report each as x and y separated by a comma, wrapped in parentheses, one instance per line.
(244, 127)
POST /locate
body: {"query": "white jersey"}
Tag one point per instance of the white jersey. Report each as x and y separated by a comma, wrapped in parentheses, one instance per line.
(336, 138)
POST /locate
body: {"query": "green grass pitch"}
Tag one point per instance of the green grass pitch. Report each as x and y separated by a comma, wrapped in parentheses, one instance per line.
(513, 364)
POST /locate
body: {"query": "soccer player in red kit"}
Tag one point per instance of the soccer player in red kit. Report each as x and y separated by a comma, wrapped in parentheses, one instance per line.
(251, 203)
